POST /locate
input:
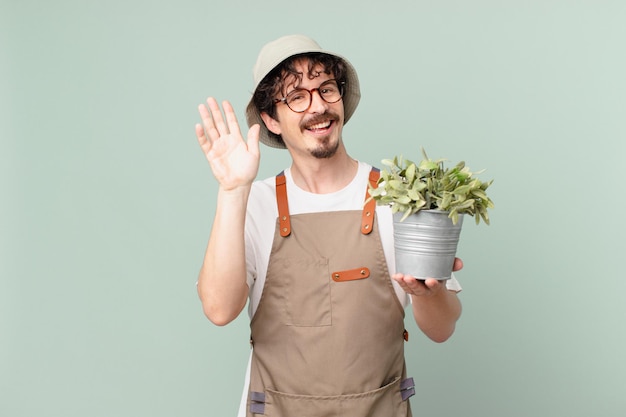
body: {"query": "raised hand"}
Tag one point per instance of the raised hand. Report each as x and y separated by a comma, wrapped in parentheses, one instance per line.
(234, 162)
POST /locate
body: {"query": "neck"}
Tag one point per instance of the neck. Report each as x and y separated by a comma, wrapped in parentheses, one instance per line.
(323, 176)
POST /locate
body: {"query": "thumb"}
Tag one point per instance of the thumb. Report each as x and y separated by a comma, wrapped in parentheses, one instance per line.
(458, 264)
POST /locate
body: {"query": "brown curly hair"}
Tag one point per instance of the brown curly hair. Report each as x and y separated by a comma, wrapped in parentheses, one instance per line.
(275, 81)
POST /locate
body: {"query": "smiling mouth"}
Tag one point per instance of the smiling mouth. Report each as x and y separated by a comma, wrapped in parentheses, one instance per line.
(319, 126)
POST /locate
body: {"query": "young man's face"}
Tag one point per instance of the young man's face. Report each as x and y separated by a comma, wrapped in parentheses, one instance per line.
(317, 130)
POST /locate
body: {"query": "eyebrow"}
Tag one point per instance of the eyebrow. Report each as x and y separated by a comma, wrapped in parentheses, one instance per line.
(287, 92)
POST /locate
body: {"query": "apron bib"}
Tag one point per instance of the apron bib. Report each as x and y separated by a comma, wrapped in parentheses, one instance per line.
(328, 333)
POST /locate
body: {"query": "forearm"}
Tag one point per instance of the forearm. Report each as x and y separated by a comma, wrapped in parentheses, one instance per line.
(222, 283)
(436, 314)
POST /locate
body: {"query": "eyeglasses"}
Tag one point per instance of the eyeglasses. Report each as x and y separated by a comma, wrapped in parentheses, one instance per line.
(300, 99)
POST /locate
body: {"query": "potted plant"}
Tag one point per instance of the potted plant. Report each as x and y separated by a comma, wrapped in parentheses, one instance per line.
(428, 202)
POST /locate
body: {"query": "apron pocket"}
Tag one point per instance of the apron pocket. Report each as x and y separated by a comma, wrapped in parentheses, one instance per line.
(382, 402)
(307, 293)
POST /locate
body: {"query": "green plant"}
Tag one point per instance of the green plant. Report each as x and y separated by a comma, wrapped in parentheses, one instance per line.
(408, 187)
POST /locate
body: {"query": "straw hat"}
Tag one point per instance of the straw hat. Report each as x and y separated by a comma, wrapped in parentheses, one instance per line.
(275, 52)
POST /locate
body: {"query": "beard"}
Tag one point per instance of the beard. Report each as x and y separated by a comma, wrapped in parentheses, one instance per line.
(325, 149)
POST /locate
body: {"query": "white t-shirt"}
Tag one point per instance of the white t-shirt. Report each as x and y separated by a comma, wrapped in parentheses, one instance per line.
(261, 223)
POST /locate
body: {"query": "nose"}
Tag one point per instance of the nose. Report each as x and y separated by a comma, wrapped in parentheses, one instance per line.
(318, 105)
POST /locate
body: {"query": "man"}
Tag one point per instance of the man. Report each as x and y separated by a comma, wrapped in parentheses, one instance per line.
(316, 264)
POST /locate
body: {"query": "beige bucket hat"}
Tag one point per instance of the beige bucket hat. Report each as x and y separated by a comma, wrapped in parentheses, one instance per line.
(275, 52)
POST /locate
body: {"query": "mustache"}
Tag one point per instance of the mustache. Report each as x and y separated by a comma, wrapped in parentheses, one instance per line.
(319, 118)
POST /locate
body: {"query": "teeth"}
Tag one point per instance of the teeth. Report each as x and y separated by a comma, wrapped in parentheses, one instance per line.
(319, 126)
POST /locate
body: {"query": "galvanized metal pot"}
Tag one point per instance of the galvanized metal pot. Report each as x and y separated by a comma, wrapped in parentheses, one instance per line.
(426, 243)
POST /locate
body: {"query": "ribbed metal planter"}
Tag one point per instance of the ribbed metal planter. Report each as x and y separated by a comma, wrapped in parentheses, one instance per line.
(426, 244)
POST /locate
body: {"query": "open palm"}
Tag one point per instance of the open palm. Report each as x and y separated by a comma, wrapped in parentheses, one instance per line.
(234, 161)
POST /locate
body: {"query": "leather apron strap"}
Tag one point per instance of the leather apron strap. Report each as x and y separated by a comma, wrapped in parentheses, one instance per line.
(370, 204)
(283, 205)
(369, 209)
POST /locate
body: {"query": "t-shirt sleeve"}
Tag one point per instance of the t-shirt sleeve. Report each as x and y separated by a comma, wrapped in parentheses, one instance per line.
(453, 285)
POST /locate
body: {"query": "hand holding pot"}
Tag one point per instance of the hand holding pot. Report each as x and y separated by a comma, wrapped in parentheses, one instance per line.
(435, 309)
(421, 287)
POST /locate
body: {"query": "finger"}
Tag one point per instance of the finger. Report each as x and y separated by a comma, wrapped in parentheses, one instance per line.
(405, 287)
(432, 283)
(408, 283)
(403, 279)
(210, 131)
(218, 120)
(231, 118)
(202, 139)
(458, 264)
(253, 139)
(399, 278)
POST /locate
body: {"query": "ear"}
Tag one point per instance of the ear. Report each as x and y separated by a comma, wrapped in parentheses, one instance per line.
(271, 123)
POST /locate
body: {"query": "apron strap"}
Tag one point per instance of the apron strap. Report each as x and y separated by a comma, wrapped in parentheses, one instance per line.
(283, 205)
(367, 220)
(369, 209)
